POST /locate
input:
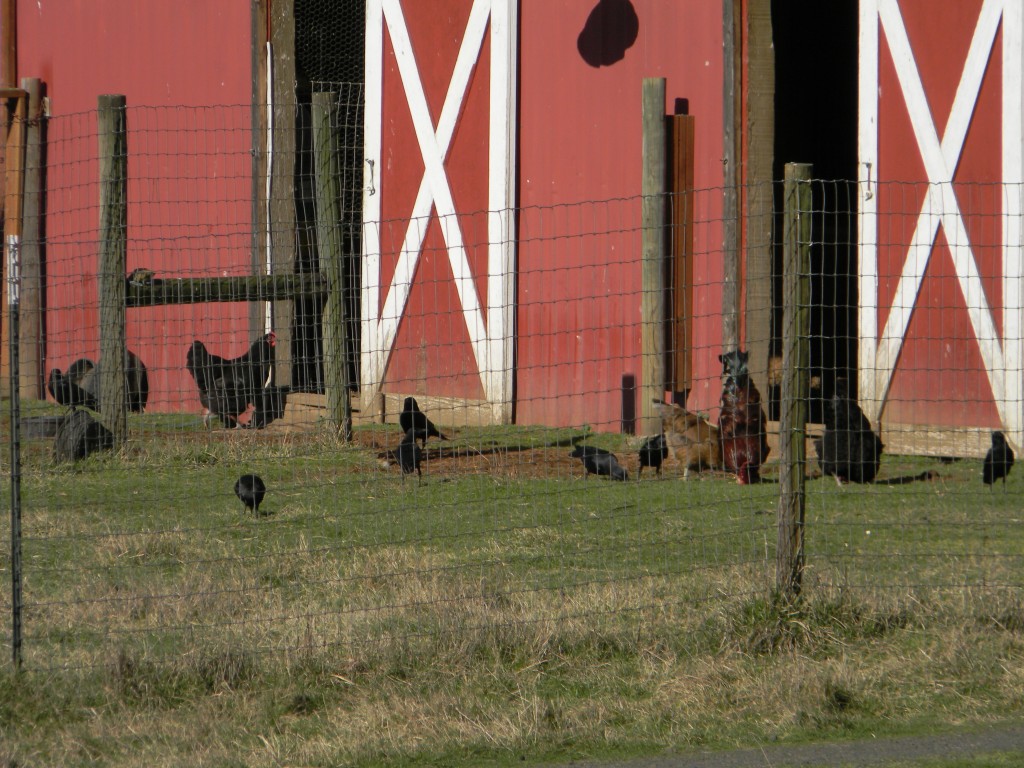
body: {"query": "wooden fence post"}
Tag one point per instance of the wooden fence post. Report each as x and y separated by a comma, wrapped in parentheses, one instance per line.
(328, 241)
(683, 135)
(31, 324)
(796, 328)
(654, 223)
(113, 156)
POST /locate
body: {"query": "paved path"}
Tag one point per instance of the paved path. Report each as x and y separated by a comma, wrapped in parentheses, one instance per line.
(865, 752)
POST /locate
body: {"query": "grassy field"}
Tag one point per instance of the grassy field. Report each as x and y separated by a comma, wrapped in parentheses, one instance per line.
(504, 610)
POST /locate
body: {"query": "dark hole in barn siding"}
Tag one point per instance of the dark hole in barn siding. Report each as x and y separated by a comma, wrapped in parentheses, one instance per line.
(329, 53)
(610, 31)
(816, 122)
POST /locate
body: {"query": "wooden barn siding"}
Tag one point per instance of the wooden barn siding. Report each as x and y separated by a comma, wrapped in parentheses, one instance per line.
(190, 169)
(940, 378)
(578, 291)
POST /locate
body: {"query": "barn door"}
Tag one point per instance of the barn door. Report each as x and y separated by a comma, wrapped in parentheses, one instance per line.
(438, 246)
(940, 242)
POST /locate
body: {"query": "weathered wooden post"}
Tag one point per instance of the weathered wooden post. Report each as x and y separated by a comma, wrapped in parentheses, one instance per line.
(683, 135)
(796, 328)
(328, 241)
(113, 156)
(654, 223)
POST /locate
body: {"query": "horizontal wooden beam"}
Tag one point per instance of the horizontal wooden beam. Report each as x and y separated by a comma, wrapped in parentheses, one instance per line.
(157, 292)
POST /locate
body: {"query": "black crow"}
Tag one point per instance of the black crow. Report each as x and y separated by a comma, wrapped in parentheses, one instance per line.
(849, 449)
(598, 461)
(998, 460)
(68, 393)
(409, 454)
(412, 417)
(250, 490)
(653, 451)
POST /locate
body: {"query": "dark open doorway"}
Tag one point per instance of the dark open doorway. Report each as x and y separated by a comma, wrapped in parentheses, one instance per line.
(816, 122)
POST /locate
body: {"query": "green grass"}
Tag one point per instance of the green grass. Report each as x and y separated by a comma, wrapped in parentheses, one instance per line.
(503, 610)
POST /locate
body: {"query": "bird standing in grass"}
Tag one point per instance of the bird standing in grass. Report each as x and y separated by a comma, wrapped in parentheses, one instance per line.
(409, 454)
(849, 449)
(243, 377)
(998, 461)
(250, 490)
(652, 452)
(598, 461)
(413, 418)
(742, 423)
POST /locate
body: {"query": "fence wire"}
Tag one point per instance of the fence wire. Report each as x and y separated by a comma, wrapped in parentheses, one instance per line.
(149, 552)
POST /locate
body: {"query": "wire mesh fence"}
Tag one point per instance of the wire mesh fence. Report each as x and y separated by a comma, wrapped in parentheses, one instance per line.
(528, 493)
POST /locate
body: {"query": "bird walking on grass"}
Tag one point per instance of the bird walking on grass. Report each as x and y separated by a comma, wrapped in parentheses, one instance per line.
(413, 418)
(250, 490)
(598, 461)
(998, 461)
(653, 451)
(409, 454)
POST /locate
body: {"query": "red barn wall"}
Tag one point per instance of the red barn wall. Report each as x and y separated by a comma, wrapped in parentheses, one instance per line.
(189, 167)
(578, 292)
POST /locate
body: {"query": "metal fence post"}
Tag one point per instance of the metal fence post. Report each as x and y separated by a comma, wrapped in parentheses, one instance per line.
(796, 326)
(14, 192)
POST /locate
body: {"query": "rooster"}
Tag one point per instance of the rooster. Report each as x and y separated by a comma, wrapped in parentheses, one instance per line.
(241, 378)
(742, 420)
(849, 449)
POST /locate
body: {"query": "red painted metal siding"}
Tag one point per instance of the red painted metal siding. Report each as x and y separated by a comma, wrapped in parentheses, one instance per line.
(578, 292)
(190, 184)
(940, 376)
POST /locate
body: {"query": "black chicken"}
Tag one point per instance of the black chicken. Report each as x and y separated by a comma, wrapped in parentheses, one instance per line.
(409, 454)
(230, 401)
(68, 393)
(998, 461)
(89, 375)
(413, 418)
(741, 421)
(652, 452)
(849, 449)
(243, 376)
(268, 405)
(250, 490)
(598, 461)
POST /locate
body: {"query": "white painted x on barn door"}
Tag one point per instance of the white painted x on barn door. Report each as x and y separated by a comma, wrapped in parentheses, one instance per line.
(416, 194)
(943, 235)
